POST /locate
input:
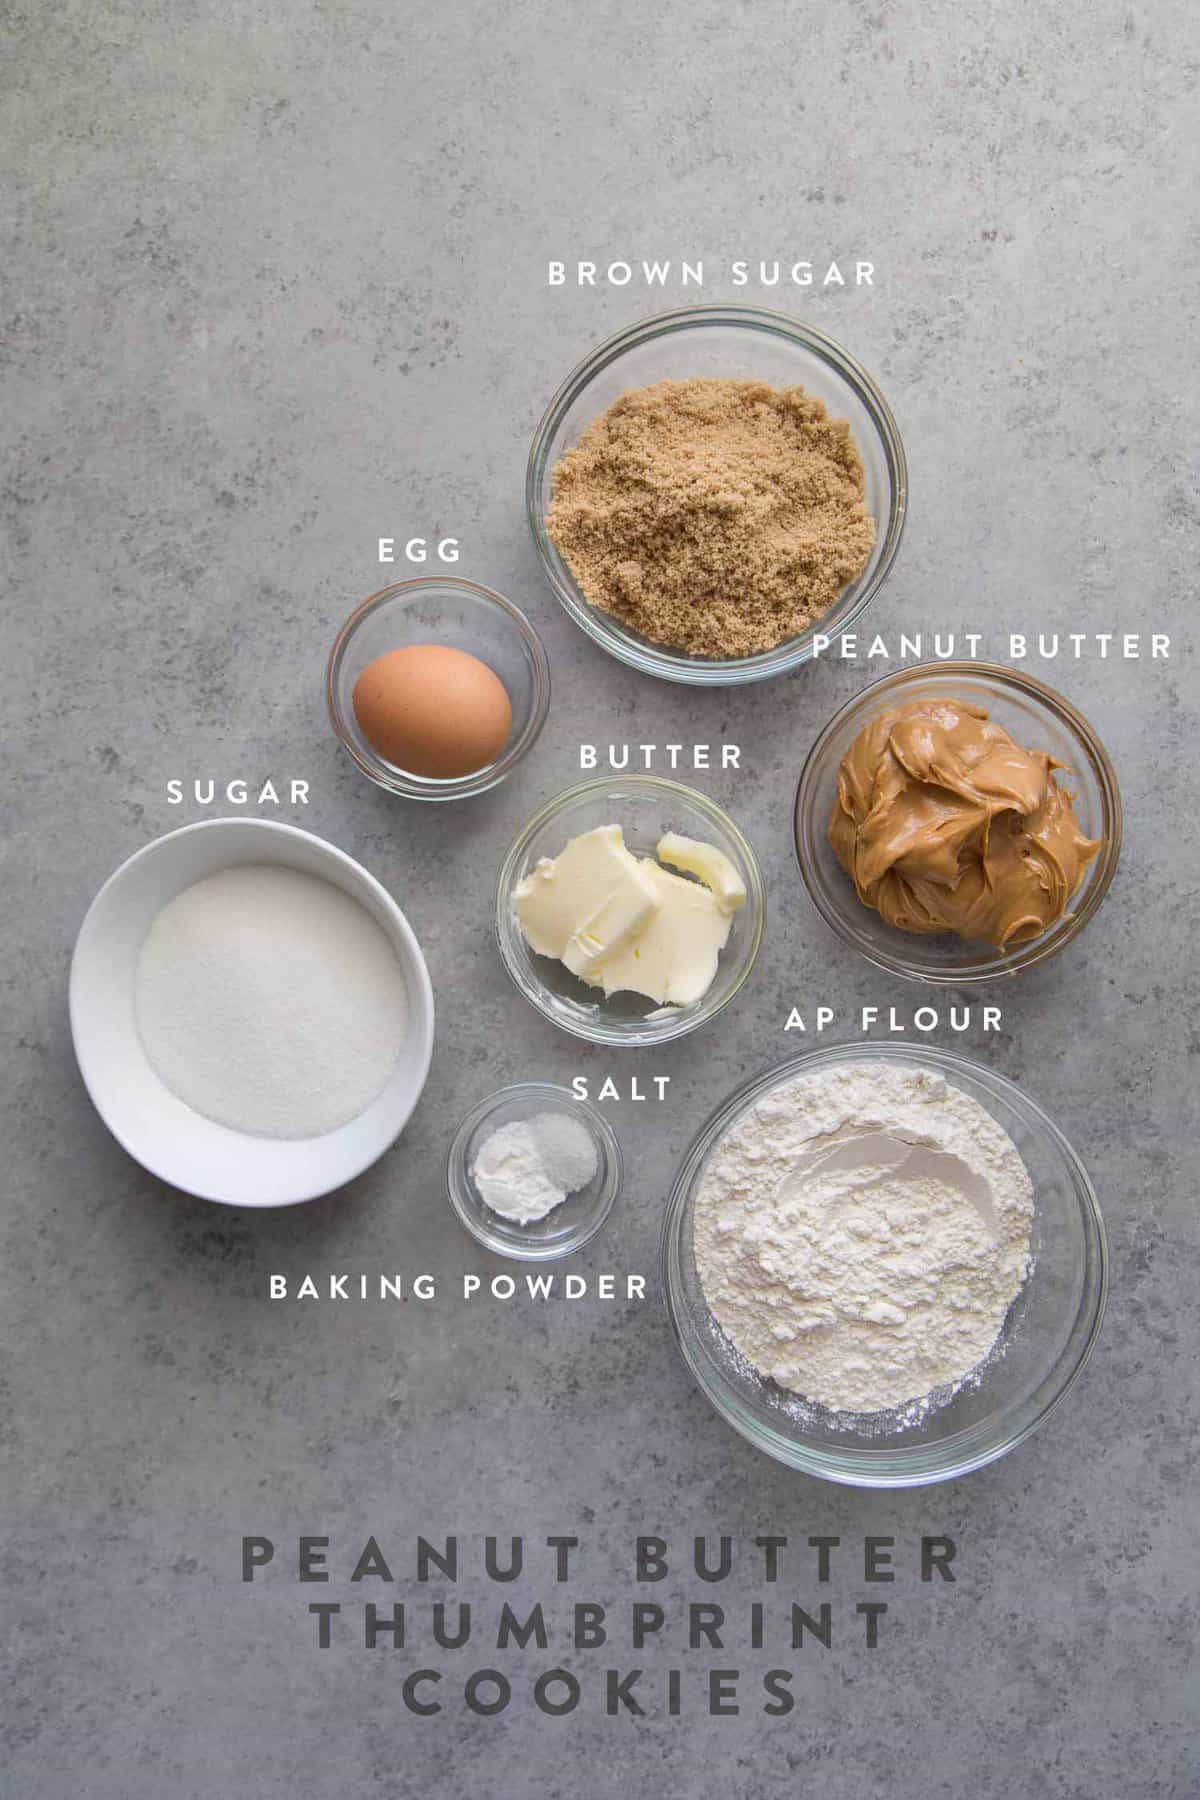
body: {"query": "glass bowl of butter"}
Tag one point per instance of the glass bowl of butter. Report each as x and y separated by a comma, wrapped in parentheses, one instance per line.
(630, 910)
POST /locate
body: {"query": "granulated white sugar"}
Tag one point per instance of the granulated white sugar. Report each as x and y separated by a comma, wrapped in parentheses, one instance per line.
(271, 1001)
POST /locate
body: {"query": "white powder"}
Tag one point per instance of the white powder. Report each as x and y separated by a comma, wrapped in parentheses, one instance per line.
(861, 1233)
(271, 1001)
(524, 1169)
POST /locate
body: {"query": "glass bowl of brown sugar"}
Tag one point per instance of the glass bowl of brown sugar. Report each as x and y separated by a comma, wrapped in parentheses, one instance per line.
(731, 585)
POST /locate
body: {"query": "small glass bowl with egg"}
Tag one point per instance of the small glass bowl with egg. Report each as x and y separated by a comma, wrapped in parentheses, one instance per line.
(437, 687)
(649, 810)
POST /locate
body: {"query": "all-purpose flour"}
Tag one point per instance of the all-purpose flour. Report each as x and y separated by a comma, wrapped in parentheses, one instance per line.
(861, 1233)
(271, 1001)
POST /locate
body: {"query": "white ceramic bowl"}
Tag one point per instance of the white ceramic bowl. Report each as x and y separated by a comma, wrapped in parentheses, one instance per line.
(146, 1118)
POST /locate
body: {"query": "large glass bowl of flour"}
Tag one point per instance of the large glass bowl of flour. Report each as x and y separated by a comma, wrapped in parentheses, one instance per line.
(1047, 1334)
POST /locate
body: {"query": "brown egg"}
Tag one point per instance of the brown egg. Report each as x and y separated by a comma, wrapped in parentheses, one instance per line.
(432, 710)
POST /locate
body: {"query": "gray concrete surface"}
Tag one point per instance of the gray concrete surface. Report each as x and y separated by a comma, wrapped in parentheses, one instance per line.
(273, 285)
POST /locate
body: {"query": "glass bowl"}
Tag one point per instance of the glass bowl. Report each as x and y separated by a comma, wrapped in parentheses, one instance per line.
(1037, 718)
(1047, 1336)
(742, 343)
(645, 806)
(440, 609)
(570, 1225)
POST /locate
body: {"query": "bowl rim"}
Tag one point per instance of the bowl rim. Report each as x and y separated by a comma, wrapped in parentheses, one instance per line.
(610, 1187)
(1027, 955)
(660, 661)
(394, 780)
(926, 1465)
(423, 1011)
(664, 1030)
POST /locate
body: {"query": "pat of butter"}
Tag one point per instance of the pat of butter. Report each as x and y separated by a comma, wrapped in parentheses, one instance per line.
(711, 865)
(672, 957)
(587, 902)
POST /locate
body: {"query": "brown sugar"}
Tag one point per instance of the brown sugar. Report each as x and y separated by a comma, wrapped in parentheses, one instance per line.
(717, 517)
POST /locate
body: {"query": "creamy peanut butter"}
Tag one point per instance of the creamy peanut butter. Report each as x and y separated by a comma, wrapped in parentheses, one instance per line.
(945, 824)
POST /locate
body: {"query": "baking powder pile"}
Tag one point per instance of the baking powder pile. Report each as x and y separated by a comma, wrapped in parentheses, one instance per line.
(719, 517)
(861, 1233)
(270, 1001)
(526, 1168)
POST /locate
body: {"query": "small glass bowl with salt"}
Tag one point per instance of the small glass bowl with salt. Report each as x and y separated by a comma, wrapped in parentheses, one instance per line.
(533, 1172)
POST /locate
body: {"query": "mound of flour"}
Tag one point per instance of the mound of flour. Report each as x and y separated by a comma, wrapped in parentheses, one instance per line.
(861, 1233)
(270, 1001)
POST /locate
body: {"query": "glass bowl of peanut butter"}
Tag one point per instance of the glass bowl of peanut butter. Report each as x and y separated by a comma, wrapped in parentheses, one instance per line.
(957, 821)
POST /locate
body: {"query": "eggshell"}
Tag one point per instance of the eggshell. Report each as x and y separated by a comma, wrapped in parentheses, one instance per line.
(433, 711)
